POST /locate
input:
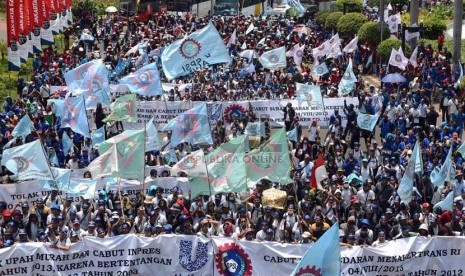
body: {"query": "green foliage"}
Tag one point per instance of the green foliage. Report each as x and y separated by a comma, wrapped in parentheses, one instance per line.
(350, 23)
(357, 8)
(332, 19)
(97, 6)
(321, 17)
(433, 26)
(443, 11)
(375, 3)
(371, 32)
(385, 47)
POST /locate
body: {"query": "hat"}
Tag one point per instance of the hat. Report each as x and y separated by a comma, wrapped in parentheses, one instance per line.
(148, 227)
(6, 213)
(56, 207)
(423, 226)
(91, 224)
(306, 235)
(16, 213)
(168, 229)
(25, 205)
(365, 160)
(381, 233)
(351, 236)
(425, 205)
(365, 222)
(64, 230)
(269, 231)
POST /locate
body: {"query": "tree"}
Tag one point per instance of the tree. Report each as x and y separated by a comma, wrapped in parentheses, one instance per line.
(321, 17)
(371, 32)
(433, 26)
(332, 19)
(385, 47)
(358, 5)
(350, 23)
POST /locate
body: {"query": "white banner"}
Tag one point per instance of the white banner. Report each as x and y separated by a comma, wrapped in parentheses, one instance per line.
(30, 191)
(163, 111)
(191, 255)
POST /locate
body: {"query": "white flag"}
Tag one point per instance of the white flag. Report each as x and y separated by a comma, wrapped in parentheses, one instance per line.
(398, 59)
(297, 53)
(250, 28)
(232, 40)
(261, 42)
(322, 50)
(413, 57)
(244, 46)
(192, 164)
(335, 41)
(352, 46)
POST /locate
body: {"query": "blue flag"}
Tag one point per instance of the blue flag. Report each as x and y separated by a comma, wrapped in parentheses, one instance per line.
(439, 176)
(255, 129)
(62, 178)
(72, 113)
(98, 136)
(274, 59)
(292, 135)
(152, 142)
(81, 187)
(23, 128)
(142, 60)
(348, 80)
(321, 70)
(196, 51)
(92, 99)
(354, 176)
(447, 203)
(406, 183)
(324, 257)
(145, 81)
(367, 121)
(67, 143)
(27, 161)
(88, 78)
(369, 61)
(121, 66)
(310, 94)
(192, 126)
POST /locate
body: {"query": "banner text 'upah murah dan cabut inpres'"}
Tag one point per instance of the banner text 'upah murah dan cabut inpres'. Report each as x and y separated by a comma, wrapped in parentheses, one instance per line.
(191, 255)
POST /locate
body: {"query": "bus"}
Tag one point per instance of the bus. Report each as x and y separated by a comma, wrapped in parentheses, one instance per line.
(199, 7)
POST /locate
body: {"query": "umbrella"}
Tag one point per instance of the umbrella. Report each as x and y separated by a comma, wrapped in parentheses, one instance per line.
(393, 78)
(111, 9)
(87, 36)
(249, 54)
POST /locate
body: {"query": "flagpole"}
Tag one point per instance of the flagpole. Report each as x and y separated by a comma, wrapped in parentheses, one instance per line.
(143, 166)
(118, 180)
(49, 167)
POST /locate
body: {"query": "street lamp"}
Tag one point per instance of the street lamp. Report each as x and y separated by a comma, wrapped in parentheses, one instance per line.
(350, 5)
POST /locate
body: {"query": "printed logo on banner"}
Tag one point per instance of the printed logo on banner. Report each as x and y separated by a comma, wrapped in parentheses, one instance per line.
(299, 53)
(190, 48)
(322, 46)
(22, 163)
(231, 259)
(14, 46)
(309, 271)
(201, 255)
(189, 125)
(234, 111)
(398, 58)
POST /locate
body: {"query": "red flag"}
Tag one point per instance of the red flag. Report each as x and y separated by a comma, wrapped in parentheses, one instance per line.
(318, 173)
(46, 8)
(12, 25)
(36, 13)
(21, 17)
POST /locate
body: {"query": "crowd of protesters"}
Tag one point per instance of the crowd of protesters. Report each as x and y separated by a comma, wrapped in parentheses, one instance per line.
(363, 174)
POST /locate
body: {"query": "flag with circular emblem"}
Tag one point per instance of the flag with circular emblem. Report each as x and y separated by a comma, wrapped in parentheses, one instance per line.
(27, 161)
(145, 81)
(274, 59)
(271, 161)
